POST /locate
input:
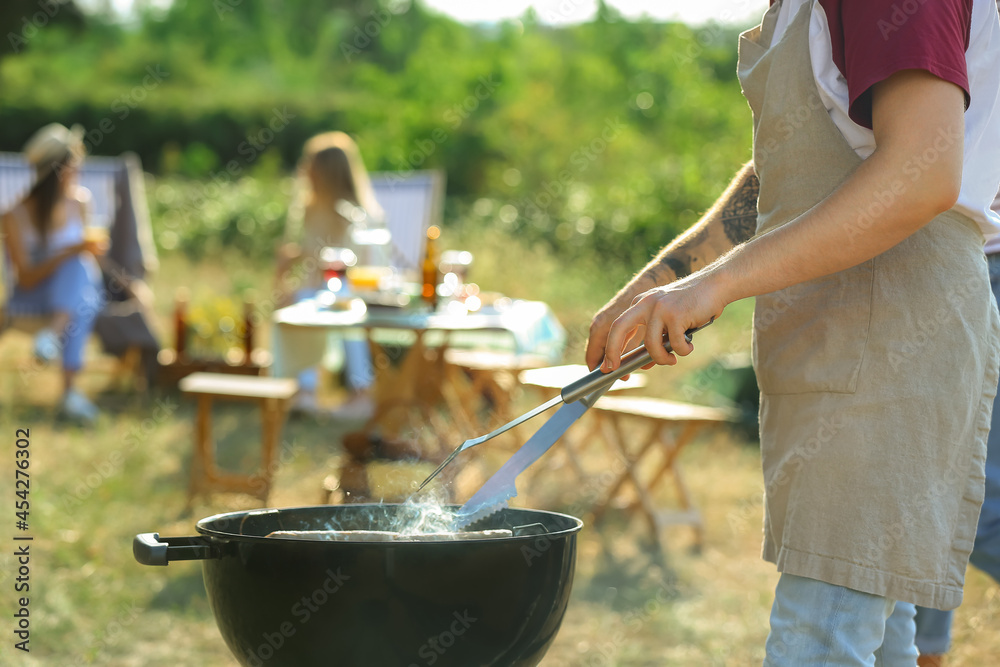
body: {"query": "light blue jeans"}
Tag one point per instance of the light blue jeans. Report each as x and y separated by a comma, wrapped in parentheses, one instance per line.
(358, 370)
(934, 625)
(816, 624)
(74, 288)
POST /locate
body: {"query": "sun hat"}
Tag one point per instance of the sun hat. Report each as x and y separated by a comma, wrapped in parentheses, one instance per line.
(51, 145)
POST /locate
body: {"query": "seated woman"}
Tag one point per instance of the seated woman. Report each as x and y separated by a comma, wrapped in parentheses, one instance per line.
(52, 264)
(338, 199)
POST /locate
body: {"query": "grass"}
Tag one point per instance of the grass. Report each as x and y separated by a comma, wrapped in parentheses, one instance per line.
(93, 490)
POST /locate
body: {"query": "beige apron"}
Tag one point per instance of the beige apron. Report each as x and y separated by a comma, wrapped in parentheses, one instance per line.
(877, 382)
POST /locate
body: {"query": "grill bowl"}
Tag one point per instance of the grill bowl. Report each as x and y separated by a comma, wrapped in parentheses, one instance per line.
(462, 603)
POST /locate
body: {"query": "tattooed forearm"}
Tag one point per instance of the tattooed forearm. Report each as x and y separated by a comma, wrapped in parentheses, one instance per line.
(739, 214)
(686, 254)
(731, 220)
(680, 267)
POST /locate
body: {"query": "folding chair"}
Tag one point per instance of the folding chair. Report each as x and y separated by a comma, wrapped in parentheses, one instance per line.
(412, 202)
(117, 201)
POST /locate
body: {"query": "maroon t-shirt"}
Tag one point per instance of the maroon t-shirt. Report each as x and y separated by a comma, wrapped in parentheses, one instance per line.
(874, 39)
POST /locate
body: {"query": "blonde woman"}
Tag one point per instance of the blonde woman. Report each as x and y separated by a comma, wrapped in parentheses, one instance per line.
(337, 200)
(51, 263)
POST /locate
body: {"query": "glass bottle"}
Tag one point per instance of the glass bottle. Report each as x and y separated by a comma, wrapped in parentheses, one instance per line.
(181, 298)
(248, 315)
(431, 274)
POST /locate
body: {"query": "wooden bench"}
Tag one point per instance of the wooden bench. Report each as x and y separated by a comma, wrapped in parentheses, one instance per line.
(271, 394)
(670, 427)
(553, 378)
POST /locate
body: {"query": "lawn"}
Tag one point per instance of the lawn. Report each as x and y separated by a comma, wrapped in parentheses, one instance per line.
(94, 489)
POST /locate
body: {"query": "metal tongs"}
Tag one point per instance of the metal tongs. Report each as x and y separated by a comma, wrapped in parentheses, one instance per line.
(592, 385)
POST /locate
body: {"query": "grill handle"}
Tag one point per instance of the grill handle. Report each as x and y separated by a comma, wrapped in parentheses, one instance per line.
(596, 379)
(151, 549)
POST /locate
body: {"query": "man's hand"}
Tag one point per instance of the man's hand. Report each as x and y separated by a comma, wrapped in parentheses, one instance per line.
(600, 327)
(665, 311)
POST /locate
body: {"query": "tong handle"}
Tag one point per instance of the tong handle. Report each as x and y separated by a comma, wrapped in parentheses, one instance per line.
(631, 362)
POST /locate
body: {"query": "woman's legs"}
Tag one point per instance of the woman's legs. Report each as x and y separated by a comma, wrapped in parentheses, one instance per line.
(76, 300)
(72, 297)
(358, 370)
(358, 367)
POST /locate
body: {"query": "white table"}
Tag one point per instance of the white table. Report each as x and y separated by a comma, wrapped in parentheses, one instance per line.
(415, 389)
(300, 332)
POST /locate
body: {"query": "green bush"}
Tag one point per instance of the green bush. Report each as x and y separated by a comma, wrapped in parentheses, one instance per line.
(201, 218)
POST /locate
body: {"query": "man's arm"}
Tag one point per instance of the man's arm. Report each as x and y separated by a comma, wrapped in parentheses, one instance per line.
(914, 114)
(731, 221)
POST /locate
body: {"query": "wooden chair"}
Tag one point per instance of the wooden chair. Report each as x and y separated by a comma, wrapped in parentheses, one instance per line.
(271, 395)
